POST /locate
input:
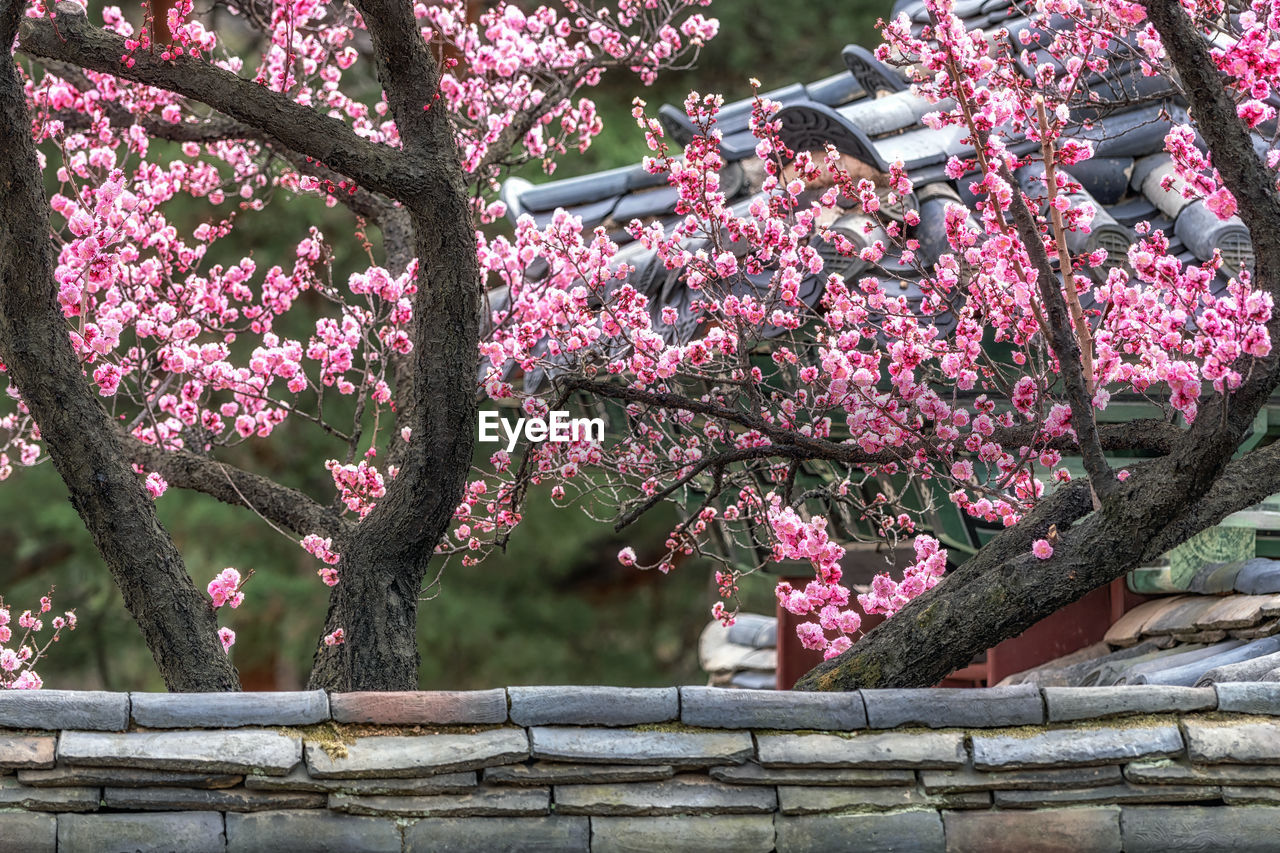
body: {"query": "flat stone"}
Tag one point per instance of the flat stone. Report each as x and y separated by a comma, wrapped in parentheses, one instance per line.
(23, 752)
(681, 795)
(721, 708)
(392, 757)
(27, 832)
(95, 710)
(1096, 830)
(894, 832)
(926, 750)
(435, 707)
(592, 706)
(611, 746)
(467, 835)
(1015, 705)
(196, 799)
(1166, 772)
(310, 832)
(300, 780)
(795, 799)
(124, 777)
(190, 832)
(1259, 576)
(1161, 829)
(13, 794)
(229, 710)
(482, 802)
(1122, 793)
(552, 773)
(1245, 795)
(968, 779)
(753, 774)
(1091, 703)
(1240, 743)
(1249, 697)
(234, 751)
(1074, 746)
(704, 834)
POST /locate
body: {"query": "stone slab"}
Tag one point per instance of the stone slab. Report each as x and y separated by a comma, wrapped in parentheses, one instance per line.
(1106, 794)
(925, 750)
(691, 794)
(310, 832)
(552, 773)
(95, 710)
(232, 751)
(721, 708)
(527, 834)
(593, 706)
(300, 780)
(1096, 830)
(424, 755)
(190, 832)
(613, 746)
(197, 799)
(1249, 697)
(482, 802)
(803, 799)
(852, 777)
(895, 832)
(1161, 829)
(968, 779)
(1091, 703)
(13, 794)
(1075, 747)
(229, 710)
(434, 707)
(24, 752)
(1166, 772)
(125, 777)
(1239, 743)
(1015, 705)
(712, 834)
(28, 832)
(1234, 795)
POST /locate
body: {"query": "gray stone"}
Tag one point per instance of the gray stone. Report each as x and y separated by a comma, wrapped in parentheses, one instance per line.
(228, 710)
(124, 777)
(612, 746)
(300, 780)
(526, 834)
(895, 832)
(1249, 697)
(926, 750)
(753, 774)
(196, 799)
(1016, 705)
(22, 752)
(190, 832)
(1166, 772)
(1239, 743)
(482, 802)
(691, 794)
(235, 751)
(1106, 794)
(14, 794)
(1161, 829)
(721, 708)
(1238, 795)
(795, 800)
(414, 708)
(64, 709)
(592, 706)
(1091, 703)
(1074, 746)
(423, 755)
(551, 773)
(968, 779)
(26, 832)
(1096, 830)
(703, 834)
(310, 832)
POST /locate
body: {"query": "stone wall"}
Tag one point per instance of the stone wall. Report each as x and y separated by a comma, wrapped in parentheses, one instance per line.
(607, 769)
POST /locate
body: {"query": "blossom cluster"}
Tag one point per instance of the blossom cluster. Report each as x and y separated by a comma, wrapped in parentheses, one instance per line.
(23, 648)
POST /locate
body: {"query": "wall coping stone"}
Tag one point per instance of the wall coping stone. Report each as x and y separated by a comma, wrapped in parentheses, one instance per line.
(93, 710)
(595, 706)
(228, 710)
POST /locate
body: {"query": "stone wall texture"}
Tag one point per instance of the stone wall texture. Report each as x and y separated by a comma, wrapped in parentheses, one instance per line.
(675, 769)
